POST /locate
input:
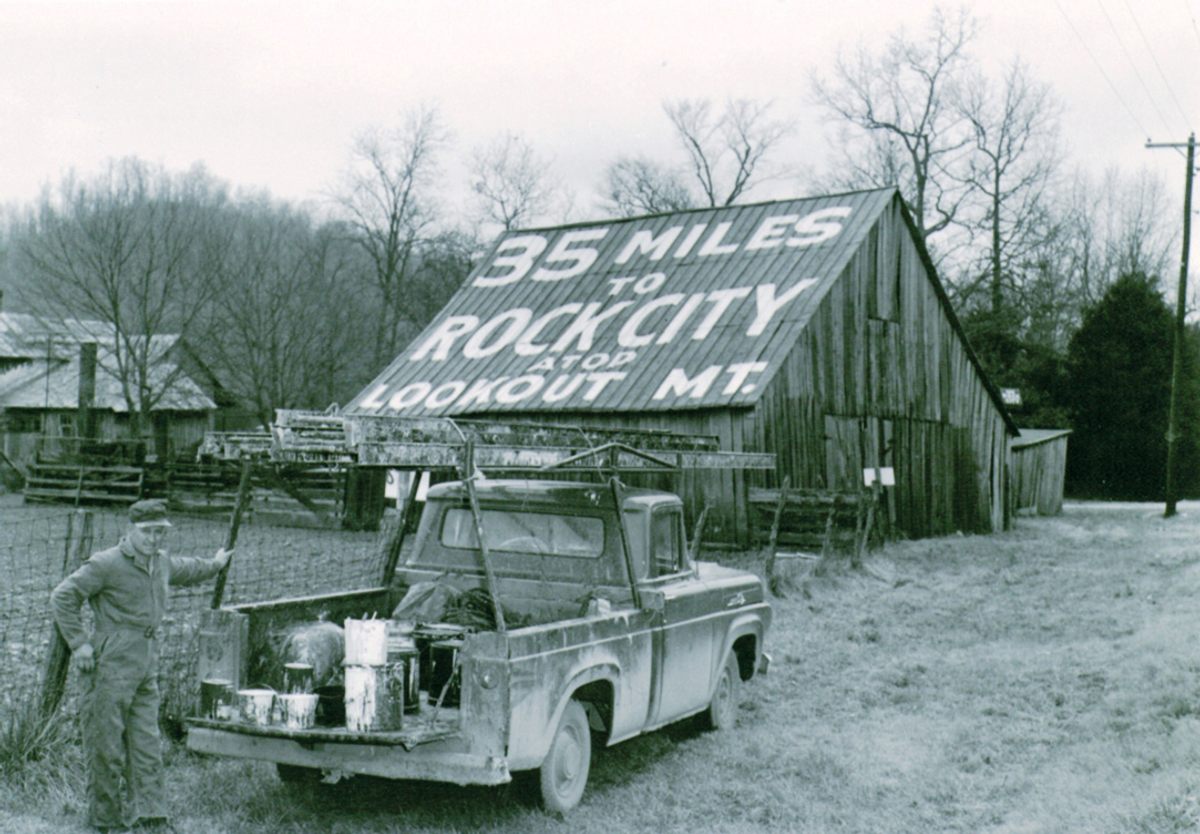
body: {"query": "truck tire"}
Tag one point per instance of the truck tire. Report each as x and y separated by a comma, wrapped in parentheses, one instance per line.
(564, 772)
(722, 710)
(297, 774)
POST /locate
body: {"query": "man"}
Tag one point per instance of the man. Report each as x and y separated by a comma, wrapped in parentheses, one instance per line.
(126, 587)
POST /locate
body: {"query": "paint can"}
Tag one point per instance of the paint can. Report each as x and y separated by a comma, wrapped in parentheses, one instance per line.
(444, 672)
(361, 693)
(376, 697)
(331, 705)
(366, 643)
(429, 633)
(297, 678)
(255, 705)
(399, 639)
(216, 699)
(404, 666)
(299, 710)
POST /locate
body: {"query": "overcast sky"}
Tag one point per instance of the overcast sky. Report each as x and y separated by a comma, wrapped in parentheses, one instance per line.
(270, 94)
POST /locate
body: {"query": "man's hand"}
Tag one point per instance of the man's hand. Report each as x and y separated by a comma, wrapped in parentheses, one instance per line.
(85, 656)
(222, 557)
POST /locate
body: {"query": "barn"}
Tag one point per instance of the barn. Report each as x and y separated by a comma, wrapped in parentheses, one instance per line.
(816, 329)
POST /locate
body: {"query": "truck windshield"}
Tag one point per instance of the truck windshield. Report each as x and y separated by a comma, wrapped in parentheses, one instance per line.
(524, 532)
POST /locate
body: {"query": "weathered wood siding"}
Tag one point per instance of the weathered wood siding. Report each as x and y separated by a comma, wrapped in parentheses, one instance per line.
(881, 376)
(1038, 475)
(184, 429)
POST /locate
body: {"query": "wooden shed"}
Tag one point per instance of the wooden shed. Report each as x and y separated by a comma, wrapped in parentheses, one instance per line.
(49, 367)
(816, 329)
(1039, 470)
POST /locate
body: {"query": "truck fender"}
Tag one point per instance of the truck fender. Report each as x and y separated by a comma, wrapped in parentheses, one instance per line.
(600, 672)
(745, 624)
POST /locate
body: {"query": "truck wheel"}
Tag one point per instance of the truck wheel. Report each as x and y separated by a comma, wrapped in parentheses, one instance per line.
(564, 772)
(722, 711)
(297, 775)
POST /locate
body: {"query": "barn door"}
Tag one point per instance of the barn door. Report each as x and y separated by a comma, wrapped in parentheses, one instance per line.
(851, 445)
(843, 453)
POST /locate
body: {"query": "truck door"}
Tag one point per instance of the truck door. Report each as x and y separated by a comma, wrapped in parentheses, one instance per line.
(683, 644)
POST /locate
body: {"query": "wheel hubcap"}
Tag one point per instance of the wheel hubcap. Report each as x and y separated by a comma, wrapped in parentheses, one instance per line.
(569, 756)
(724, 691)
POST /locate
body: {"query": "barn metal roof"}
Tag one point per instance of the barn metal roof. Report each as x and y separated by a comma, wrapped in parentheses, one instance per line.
(693, 309)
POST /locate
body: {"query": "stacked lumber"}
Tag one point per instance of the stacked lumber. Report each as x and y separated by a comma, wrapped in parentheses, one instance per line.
(80, 483)
(810, 520)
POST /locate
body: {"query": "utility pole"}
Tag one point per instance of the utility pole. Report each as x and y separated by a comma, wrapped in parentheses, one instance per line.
(1180, 331)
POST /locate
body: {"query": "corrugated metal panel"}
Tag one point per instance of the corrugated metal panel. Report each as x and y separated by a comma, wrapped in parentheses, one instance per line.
(56, 386)
(689, 310)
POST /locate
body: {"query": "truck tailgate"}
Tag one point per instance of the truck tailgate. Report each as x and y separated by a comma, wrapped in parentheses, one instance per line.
(437, 753)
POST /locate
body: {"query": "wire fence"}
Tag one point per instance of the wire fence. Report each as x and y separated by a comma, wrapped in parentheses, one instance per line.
(41, 545)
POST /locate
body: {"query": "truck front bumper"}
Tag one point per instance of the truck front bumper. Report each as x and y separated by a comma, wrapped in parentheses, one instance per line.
(438, 761)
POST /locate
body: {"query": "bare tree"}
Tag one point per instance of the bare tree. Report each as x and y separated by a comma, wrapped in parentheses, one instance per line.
(726, 155)
(512, 183)
(134, 249)
(906, 131)
(288, 314)
(637, 185)
(387, 201)
(1013, 129)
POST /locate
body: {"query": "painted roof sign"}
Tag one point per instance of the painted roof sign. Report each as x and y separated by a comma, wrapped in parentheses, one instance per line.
(689, 310)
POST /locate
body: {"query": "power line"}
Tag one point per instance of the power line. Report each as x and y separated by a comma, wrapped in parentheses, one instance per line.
(1195, 29)
(1136, 72)
(1157, 66)
(1100, 67)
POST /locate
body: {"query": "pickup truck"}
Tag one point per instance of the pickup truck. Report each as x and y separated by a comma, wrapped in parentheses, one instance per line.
(615, 632)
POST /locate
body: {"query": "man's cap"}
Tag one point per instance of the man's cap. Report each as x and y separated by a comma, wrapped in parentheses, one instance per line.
(151, 511)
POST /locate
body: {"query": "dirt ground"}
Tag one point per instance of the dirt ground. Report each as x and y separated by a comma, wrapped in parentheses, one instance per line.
(1046, 679)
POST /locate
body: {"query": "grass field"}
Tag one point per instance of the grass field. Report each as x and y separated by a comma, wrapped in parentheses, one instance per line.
(1041, 680)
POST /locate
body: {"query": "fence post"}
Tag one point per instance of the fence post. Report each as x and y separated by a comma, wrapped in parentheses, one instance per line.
(58, 660)
(243, 498)
(773, 544)
(394, 539)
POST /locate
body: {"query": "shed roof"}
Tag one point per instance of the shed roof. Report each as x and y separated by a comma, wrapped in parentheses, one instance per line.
(693, 309)
(1033, 437)
(55, 385)
(48, 375)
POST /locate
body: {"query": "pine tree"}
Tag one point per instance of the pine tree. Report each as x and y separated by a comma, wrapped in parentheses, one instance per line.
(1118, 394)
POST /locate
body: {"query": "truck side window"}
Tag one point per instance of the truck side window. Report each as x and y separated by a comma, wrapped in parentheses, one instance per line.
(666, 543)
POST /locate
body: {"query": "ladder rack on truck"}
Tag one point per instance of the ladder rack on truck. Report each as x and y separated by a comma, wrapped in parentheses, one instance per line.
(437, 443)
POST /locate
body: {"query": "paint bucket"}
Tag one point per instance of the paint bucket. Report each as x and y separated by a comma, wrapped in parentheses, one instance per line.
(362, 698)
(399, 639)
(297, 678)
(443, 672)
(216, 699)
(428, 634)
(375, 696)
(331, 705)
(366, 643)
(255, 705)
(299, 710)
(403, 667)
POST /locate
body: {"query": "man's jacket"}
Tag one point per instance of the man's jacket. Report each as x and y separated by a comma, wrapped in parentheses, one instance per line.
(126, 589)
